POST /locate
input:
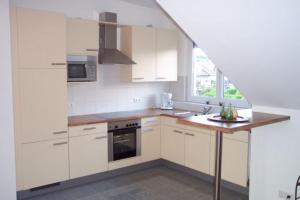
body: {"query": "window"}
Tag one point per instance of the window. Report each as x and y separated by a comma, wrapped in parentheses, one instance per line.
(209, 85)
(204, 75)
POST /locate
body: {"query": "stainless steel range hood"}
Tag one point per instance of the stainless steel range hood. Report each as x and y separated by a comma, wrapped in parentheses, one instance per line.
(108, 52)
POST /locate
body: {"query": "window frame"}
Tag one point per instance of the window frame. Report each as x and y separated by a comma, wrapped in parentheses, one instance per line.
(219, 90)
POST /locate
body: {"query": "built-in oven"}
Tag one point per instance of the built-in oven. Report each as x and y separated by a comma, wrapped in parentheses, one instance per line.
(124, 139)
(82, 68)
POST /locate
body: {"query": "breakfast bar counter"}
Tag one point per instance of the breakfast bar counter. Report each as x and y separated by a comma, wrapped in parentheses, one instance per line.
(256, 119)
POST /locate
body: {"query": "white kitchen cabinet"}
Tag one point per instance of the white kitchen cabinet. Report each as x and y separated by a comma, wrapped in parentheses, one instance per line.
(44, 163)
(197, 150)
(154, 51)
(82, 37)
(88, 155)
(150, 143)
(234, 158)
(41, 39)
(172, 144)
(166, 55)
(43, 104)
(139, 44)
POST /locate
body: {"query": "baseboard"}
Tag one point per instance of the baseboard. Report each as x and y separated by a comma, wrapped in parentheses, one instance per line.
(123, 171)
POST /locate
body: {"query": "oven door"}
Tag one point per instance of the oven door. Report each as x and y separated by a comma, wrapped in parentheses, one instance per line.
(124, 143)
(77, 71)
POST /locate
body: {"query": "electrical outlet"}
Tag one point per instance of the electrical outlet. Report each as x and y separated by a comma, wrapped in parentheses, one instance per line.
(285, 195)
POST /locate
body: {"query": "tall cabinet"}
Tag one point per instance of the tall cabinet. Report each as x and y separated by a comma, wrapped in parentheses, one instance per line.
(40, 93)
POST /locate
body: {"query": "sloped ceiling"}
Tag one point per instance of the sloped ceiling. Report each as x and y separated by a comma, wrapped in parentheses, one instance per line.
(255, 43)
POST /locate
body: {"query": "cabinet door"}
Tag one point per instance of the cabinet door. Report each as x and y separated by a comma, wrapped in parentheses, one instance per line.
(43, 104)
(88, 155)
(150, 143)
(234, 161)
(41, 39)
(45, 163)
(197, 151)
(143, 53)
(82, 37)
(166, 55)
(172, 144)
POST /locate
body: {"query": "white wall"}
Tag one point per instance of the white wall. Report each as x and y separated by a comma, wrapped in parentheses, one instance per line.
(108, 94)
(7, 150)
(254, 43)
(275, 163)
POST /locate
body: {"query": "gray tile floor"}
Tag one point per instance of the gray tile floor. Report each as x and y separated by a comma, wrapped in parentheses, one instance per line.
(158, 183)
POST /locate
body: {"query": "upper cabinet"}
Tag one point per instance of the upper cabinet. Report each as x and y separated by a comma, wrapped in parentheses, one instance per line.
(41, 39)
(141, 50)
(82, 37)
(166, 55)
(153, 50)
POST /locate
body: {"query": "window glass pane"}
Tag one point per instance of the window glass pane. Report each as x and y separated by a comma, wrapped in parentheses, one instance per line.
(204, 75)
(230, 91)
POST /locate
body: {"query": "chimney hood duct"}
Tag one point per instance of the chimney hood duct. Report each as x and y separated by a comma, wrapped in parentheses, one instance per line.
(108, 52)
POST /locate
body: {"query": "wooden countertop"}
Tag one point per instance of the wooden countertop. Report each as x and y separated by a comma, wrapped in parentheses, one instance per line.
(118, 116)
(256, 119)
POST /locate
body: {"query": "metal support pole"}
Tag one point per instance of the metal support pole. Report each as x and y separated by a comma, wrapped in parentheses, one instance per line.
(218, 165)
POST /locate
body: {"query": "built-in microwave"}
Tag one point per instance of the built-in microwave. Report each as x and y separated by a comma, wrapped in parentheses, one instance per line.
(82, 68)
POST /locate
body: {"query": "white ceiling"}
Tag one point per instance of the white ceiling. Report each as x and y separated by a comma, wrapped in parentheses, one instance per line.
(145, 3)
(255, 43)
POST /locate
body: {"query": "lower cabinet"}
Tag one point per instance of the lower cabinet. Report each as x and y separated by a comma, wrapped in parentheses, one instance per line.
(234, 159)
(150, 143)
(88, 155)
(197, 150)
(44, 163)
(172, 144)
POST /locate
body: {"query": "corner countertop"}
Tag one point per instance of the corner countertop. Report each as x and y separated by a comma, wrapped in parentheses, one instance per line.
(125, 115)
(184, 117)
(256, 119)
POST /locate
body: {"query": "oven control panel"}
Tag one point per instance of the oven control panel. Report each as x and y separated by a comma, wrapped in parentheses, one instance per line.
(134, 123)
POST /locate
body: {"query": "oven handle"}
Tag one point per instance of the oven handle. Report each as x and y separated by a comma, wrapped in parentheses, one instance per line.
(121, 141)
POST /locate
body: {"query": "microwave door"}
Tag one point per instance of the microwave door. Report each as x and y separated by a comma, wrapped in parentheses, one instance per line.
(77, 72)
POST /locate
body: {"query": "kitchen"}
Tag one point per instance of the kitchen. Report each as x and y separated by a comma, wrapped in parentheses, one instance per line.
(93, 103)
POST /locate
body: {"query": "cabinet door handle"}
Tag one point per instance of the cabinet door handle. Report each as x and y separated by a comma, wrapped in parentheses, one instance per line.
(160, 78)
(100, 137)
(59, 132)
(189, 134)
(92, 50)
(147, 130)
(138, 78)
(151, 122)
(176, 131)
(89, 129)
(55, 64)
(60, 143)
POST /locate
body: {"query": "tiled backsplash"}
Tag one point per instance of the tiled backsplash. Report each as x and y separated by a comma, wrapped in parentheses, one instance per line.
(109, 94)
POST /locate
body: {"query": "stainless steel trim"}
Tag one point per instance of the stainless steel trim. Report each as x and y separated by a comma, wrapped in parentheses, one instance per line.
(189, 134)
(147, 130)
(89, 129)
(60, 143)
(100, 137)
(110, 146)
(176, 131)
(58, 64)
(59, 132)
(92, 50)
(249, 158)
(218, 165)
(138, 141)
